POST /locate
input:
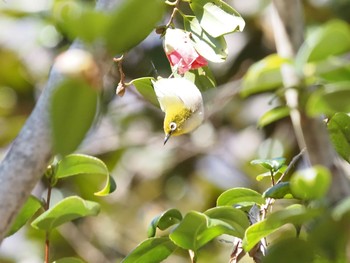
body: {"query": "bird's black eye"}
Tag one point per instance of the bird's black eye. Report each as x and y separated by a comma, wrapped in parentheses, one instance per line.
(172, 126)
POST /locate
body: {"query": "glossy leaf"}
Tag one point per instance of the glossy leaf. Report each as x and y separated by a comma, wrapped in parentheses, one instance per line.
(295, 214)
(76, 164)
(213, 49)
(153, 250)
(310, 183)
(163, 221)
(216, 17)
(292, 250)
(278, 191)
(64, 211)
(236, 218)
(329, 100)
(271, 164)
(30, 207)
(332, 38)
(339, 131)
(124, 32)
(240, 197)
(109, 187)
(72, 111)
(69, 260)
(264, 75)
(273, 115)
(196, 229)
(202, 78)
(145, 88)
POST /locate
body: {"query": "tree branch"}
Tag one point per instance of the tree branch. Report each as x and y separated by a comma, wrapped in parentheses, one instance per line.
(287, 22)
(30, 153)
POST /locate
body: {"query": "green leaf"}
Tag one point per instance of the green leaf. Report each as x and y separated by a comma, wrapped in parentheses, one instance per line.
(268, 174)
(240, 197)
(79, 20)
(329, 100)
(77, 164)
(331, 69)
(291, 250)
(273, 115)
(131, 22)
(330, 237)
(145, 88)
(339, 131)
(13, 73)
(216, 17)
(202, 78)
(236, 218)
(186, 234)
(109, 187)
(342, 209)
(30, 207)
(278, 191)
(163, 221)
(264, 75)
(115, 29)
(310, 183)
(213, 49)
(271, 164)
(152, 250)
(295, 214)
(73, 108)
(69, 260)
(263, 175)
(64, 211)
(332, 38)
(196, 229)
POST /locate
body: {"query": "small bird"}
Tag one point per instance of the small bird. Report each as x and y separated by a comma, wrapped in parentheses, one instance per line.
(182, 103)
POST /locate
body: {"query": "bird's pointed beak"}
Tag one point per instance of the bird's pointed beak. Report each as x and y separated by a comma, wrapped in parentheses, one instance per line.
(167, 137)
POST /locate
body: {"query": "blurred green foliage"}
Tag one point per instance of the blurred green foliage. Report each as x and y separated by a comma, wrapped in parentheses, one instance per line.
(192, 171)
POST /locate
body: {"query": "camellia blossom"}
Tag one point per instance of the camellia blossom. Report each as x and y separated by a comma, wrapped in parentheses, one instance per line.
(181, 52)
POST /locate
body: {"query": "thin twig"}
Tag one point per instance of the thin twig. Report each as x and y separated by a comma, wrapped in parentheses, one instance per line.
(175, 10)
(47, 235)
(192, 256)
(270, 201)
(291, 165)
(171, 3)
(310, 132)
(238, 252)
(272, 178)
(122, 84)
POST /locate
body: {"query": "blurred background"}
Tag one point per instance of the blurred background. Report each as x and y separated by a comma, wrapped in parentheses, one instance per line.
(188, 173)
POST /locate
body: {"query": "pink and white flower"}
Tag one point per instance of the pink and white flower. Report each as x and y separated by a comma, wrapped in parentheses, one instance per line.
(181, 52)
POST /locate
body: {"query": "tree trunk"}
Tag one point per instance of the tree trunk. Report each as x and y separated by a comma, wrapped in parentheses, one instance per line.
(31, 152)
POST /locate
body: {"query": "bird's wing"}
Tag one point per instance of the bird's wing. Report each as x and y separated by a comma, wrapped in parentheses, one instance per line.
(177, 91)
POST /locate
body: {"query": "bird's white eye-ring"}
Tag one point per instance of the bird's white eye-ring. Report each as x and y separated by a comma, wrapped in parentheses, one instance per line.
(172, 126)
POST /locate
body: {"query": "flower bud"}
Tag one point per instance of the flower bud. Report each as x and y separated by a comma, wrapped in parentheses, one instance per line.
(77, 63)
(181, 52)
